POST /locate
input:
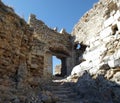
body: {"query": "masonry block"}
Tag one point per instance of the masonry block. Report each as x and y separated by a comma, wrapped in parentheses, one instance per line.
(106, 32)
(109, 21)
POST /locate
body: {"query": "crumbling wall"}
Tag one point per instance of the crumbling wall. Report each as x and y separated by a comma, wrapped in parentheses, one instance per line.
(92, 22)
(54, 41)
(17, 75)
(101, 35)
(99, 30)
(99, 73)
(50, 43)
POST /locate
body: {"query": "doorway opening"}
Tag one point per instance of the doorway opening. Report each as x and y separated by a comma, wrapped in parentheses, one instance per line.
(56, 66)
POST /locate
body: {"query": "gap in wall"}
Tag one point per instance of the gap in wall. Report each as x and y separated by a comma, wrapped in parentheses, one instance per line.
(56, 62)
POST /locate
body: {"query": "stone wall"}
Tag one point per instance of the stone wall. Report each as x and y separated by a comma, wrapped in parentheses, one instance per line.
(99, 70)
(57, 43)
(102, 38)
(26, 56)
(92, 22)
(49, 42)
(17, 74)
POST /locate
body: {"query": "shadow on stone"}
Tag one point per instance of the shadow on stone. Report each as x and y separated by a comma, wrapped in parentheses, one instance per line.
(96, 90)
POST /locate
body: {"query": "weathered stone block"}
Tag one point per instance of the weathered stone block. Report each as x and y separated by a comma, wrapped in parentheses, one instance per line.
(107, 39)
(97, 43)
(34, 66)
(93, 71)
(118, 25)
(106, 32)
(109, 21)
(114, 63)
(117, 15)
(117, 54)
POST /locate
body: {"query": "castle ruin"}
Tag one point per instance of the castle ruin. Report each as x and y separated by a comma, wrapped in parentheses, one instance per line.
(90, 55)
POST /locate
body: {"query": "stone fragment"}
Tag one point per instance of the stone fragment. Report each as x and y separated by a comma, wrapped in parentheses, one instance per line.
(114, 63)
(116, 77)
(118, 25)
(117, 15)
(34, 66)
(62, 31)
(106, 32)
(76, 70)
(109, 21)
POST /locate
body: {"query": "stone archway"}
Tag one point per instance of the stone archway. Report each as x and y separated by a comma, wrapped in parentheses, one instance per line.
(62, 53)
(48, 65)
(49, 43)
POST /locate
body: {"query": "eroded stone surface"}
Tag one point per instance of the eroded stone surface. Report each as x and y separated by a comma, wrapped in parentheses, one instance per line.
(98, 75)
(103, 42)
(49, 42)
(20, 69)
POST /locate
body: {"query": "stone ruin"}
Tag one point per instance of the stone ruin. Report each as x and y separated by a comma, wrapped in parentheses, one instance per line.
(26, 52)
(98, 30)
(48, 42)
(98, 33)
(91, 51)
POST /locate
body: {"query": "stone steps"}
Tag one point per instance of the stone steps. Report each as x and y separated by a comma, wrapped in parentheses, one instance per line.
(64, 93)
(61, 92)
(68, 101)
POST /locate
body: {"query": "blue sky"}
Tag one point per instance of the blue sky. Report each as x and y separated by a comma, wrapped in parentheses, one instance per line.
(55, 13)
